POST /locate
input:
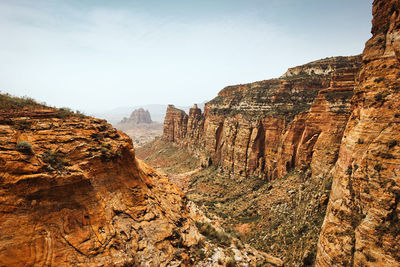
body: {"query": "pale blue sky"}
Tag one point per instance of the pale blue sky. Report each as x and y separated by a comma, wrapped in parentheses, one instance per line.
(97, 55)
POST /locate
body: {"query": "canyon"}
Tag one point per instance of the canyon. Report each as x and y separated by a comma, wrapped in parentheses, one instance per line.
(72, 192)
(301, 170)
(271, 127)
(336, 120)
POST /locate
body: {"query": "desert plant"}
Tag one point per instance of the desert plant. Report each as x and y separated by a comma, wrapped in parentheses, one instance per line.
(230, 262)
(378, 167)
(381, 96)
(211, 233)
(80, 114)
(64, 113)
(108, 154)
(392, 143)
(8, 102)
(24, 147)
(54, 159)
(22, 124)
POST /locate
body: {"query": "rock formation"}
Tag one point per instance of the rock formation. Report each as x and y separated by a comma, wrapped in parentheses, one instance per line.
(175, 124)
(140, 127)
(138, 116)
(362, 224)
(270, 127)
(72, 192)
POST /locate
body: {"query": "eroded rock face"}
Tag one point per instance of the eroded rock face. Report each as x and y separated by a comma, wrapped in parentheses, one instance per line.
(138, 116)
(271, 127)
(362, 225)
(175, 124)
(72, 192)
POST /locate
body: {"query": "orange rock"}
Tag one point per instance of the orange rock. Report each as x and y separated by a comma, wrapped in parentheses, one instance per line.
(81, 197)
(269, 128)
(361, 227)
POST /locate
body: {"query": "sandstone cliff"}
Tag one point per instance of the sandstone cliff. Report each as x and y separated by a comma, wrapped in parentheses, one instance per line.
(362, 225)
(72, 192)
(271, 127)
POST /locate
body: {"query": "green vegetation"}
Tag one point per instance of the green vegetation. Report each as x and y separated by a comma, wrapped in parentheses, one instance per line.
(108, 154)
(230, 262)
(392, 143)
(380, 79)
(270, 100)
(381, 96)
(167, 156)
(22, 124)
(8, 102)
(378, 167)
(64, 113)
(24, 147)
(333, 96)
(282, 217)
(54, 159)
(212, 234)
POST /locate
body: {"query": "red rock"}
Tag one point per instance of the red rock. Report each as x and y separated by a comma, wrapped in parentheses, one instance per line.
(271, 127)
(92, 203)
(361, 227)
(175, 123)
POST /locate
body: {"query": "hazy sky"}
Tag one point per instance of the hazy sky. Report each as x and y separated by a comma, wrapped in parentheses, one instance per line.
(100, 54)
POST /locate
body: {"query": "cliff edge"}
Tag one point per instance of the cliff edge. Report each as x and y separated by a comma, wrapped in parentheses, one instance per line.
(362, 224)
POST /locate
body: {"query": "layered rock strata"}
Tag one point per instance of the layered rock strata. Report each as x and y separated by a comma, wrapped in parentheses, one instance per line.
(175, 124)
(271, 127)
(362, 225)
(73, 193)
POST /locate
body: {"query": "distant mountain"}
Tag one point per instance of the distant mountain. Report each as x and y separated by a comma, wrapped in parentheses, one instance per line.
(157, 112)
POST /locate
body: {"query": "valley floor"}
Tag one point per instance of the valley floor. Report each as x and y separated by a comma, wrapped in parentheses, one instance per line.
(282, 217)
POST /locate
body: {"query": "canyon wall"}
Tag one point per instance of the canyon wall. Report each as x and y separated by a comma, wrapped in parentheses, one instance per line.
(362, 224)
(271, 127)
(73, 193)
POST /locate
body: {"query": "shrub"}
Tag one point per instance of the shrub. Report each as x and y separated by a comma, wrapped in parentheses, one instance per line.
(108, 154)
(22, 124)
(380, 97)
(230, 262)
(328, 185)
(80, 114)
(349, 170)
(392, 143)
(378, 167)
(54, 159)
(24, 147)
(211, 233)
(64, 113)
(8, 102)
(380, 79)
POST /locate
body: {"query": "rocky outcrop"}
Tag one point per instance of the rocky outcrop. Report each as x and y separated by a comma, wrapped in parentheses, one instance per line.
(175, 124)
(271, 127)
(138, 116)
(140, 127)
(73, 193)
(362, 224)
